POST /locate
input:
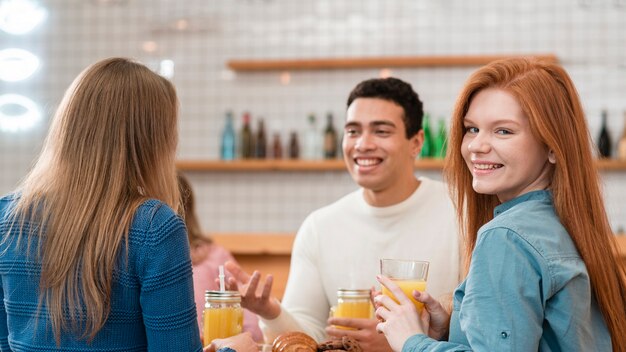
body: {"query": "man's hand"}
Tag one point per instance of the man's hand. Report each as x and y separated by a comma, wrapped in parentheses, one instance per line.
(240, 343)
(364, 331)
(255, 298)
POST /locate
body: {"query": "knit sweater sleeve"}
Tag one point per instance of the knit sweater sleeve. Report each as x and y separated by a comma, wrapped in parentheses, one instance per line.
(165, 274)
(305, 306)
(4, 332)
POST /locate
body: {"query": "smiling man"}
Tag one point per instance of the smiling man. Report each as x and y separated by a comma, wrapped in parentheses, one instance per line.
(394, 214)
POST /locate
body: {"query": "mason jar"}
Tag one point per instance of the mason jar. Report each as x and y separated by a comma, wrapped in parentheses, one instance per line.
(222, 316)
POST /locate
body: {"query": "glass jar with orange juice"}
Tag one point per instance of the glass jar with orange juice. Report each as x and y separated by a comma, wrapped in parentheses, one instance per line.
(352, 303)
(222, 316)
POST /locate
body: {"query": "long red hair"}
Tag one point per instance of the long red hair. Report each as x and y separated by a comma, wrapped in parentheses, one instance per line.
(549, 99)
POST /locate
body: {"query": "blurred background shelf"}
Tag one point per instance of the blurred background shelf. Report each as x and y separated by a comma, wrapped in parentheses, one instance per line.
(269, 253)
(327, 165)
(611, 164)
(284, 165)
(370, 62)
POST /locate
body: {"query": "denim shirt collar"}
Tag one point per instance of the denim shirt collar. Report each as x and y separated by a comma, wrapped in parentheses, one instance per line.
(541, 195)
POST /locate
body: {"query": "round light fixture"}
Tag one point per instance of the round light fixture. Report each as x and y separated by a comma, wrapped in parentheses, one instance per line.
(17, 64)
(20, 16)
(17, 112)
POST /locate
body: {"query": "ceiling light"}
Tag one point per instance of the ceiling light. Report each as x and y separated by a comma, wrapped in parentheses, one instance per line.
(17, 64)
(17, 112)
(20, 16)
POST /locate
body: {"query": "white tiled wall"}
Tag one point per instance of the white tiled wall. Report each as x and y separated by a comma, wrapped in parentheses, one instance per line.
(589, 37)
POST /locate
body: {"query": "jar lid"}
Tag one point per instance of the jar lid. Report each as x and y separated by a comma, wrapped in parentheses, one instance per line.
(222, 296)
(353, 293)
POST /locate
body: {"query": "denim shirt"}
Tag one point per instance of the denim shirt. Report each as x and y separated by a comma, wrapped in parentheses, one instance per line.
(527, 288)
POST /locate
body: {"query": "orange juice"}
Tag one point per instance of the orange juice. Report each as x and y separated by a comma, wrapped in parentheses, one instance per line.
(222, 316)
(221, 322)
(358, 309)
(407, 286)
(352, 303)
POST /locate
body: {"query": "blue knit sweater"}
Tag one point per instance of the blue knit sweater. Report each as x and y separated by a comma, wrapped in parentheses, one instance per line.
(152, 304)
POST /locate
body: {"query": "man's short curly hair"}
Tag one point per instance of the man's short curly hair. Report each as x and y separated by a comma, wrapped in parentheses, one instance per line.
(396, 91)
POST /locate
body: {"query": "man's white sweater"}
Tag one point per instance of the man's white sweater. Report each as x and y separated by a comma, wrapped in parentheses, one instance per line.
(339, 246)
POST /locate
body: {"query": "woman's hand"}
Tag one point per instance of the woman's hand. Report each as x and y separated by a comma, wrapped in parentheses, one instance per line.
(240, 343)
(435, 316)
(399, 321)
(257, 302)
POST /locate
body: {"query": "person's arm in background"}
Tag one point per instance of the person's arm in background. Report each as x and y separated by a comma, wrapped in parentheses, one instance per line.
(305, 307)
(166, 296)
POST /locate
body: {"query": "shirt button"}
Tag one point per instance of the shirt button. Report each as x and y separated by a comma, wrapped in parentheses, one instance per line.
(504, 334)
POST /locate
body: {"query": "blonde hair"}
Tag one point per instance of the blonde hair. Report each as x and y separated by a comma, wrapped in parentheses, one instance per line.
(549, 99)
(110, 147)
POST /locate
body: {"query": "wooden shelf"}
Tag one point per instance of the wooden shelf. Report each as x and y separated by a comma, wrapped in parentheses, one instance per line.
(284, 165)
(371, 62)
(256, 243)
(269, 253)
(326, 165)
(611, 164)
(281, 243)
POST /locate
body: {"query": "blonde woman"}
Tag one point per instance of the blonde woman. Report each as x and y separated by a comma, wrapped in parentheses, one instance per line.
(542, 271)
(93, 255)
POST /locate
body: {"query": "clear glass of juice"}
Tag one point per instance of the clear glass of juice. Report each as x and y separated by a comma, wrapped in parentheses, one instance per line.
(408, 274)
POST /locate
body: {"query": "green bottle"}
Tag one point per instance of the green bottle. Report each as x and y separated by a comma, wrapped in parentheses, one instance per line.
(440, 144)
(427, 148)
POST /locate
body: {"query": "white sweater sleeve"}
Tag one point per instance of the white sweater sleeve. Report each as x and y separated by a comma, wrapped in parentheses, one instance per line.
(305, 306)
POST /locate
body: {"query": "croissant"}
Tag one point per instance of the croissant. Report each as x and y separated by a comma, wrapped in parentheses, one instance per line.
(294, 341)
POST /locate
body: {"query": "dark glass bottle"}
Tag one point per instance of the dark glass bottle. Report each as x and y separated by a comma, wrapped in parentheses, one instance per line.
(330, 138)
(277, 147)
(261, 141)
(427, 147)
(604, 140)
(227, 147)
(247, 141)
(294, 146)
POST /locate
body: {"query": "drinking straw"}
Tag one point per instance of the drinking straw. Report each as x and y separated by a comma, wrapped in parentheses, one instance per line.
(221, 276)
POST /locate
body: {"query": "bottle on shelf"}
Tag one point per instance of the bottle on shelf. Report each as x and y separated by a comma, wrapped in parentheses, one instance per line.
(330, 138)
(427, 147)
(277, 147)
(621, 147)
(247, 141)
(294, 146)
(312, 148)
(440, 144)
(261, 141)
(227, 147)
(604, 140)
